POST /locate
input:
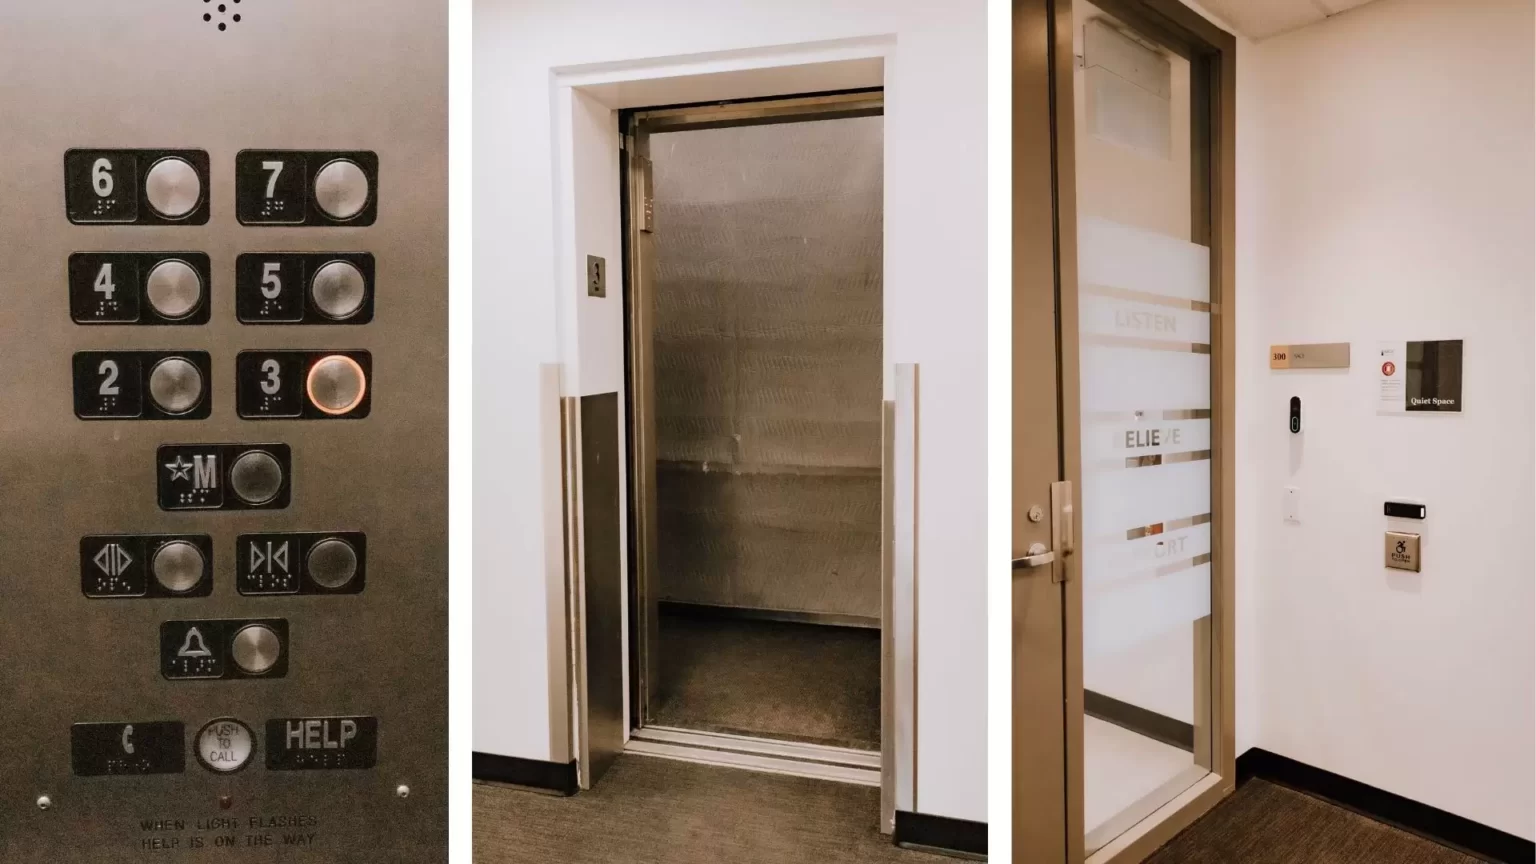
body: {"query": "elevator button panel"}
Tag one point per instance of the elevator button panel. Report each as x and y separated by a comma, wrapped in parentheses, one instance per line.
(224, 649)
(153, 288)
(308, 385)
(136, 187)
(142, 385)
(223, 476)
(306, 187)
(132, 748)
(304, 288)
(301, 563)
(146, 566)
(322, 743)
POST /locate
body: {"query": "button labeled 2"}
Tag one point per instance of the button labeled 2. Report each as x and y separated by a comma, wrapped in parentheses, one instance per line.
(224, 649)
(152, 288)
(306, 187)
(310, 385)
(303, 288)
(142, 385)
(313, 562)
(223, 476)
(136, 187)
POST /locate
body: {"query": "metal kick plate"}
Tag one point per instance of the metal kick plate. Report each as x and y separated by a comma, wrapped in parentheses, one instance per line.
(120, 754)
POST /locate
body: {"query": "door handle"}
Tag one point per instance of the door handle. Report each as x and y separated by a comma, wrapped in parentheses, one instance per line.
(1037, 557)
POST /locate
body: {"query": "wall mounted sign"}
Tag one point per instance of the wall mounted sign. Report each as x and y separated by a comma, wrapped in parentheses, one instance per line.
(1319, 355)
(1419, 376)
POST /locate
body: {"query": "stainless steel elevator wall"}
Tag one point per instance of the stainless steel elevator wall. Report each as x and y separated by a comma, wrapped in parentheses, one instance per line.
(768, 334)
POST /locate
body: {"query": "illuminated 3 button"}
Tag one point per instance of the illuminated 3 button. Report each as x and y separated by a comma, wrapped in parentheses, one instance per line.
(336, 384)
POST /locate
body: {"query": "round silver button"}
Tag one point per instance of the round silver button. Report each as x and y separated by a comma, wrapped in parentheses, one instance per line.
(256, 477)
(338, 289)
(341, 189)
(178, 566)
(174, 288)
(173, 188)
(175, 385)
(332, 562)
(256, 649)
(336, 384)
(225, 746)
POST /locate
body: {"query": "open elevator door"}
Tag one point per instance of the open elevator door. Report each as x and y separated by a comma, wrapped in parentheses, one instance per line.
(757, 448)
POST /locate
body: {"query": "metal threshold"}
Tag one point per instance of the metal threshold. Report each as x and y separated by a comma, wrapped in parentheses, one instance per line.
(838, 764)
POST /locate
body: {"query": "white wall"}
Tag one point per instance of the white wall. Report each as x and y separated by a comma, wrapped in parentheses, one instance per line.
(1391, 198)
(935, 316)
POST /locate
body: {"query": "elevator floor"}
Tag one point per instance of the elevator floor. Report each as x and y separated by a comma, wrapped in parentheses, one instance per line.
(647, 810)
(1263, 823)
(812, 683)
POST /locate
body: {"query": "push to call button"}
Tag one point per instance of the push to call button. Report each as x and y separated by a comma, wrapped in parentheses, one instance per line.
(142, 385)
(301, 563)
(118, 566)
(322, 743)
(225, 746)
(311, 385)
(150, 288)
(115, 749)
(227, 649)
(223, 476)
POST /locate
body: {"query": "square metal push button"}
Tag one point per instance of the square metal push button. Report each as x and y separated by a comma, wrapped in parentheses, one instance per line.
(1403, 551)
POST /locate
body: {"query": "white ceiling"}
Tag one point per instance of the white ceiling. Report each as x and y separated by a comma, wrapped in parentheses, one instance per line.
(1261, 19)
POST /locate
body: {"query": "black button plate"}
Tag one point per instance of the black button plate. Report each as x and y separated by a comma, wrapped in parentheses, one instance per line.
(114, 385)
(275, 187)
(273, 287)
(106, 187)
(111, 288)
(119, 566)
(196, 476)
(116, 749)
(270, 385)
(322, 743)
(279, 563)
(192, 650)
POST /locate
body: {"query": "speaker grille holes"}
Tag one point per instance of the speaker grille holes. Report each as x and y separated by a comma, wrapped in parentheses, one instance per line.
(222, 15)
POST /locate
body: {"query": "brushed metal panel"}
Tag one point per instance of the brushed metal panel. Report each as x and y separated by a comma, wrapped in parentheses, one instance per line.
(767, 333)
(365, 75)
(603, 574)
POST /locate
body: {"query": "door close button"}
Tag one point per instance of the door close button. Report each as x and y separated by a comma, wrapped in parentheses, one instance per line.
(332, 562)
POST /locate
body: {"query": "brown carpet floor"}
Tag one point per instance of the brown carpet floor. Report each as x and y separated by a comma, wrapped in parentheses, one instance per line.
(658, 811)
(799, 682)
(1263, 823)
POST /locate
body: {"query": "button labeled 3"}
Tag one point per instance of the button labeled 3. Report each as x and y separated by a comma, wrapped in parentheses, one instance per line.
(313, 385)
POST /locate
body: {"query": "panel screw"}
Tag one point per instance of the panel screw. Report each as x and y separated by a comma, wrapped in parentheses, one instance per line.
(1036, 514)
(44, 802)
(402, 791)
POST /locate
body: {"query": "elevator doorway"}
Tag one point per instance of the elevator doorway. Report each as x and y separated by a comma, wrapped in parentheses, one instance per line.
(754, 335)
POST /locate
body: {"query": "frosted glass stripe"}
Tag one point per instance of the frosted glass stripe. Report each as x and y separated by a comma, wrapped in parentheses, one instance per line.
(1120, 256)
(1117, 501)
(1118, 619)
(1106, 563)
(1115, 317)
(1125, 379)
(1115, 442)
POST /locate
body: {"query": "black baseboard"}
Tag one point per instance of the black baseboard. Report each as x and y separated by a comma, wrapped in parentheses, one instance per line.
(1428, 822)
(941, 834)
(533, 773)
(1158, 727)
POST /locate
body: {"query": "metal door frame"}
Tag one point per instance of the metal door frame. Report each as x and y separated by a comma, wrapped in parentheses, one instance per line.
(636, 125)
(1212, 53)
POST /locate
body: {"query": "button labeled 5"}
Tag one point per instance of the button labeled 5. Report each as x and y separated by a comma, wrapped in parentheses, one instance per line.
(304, 288)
